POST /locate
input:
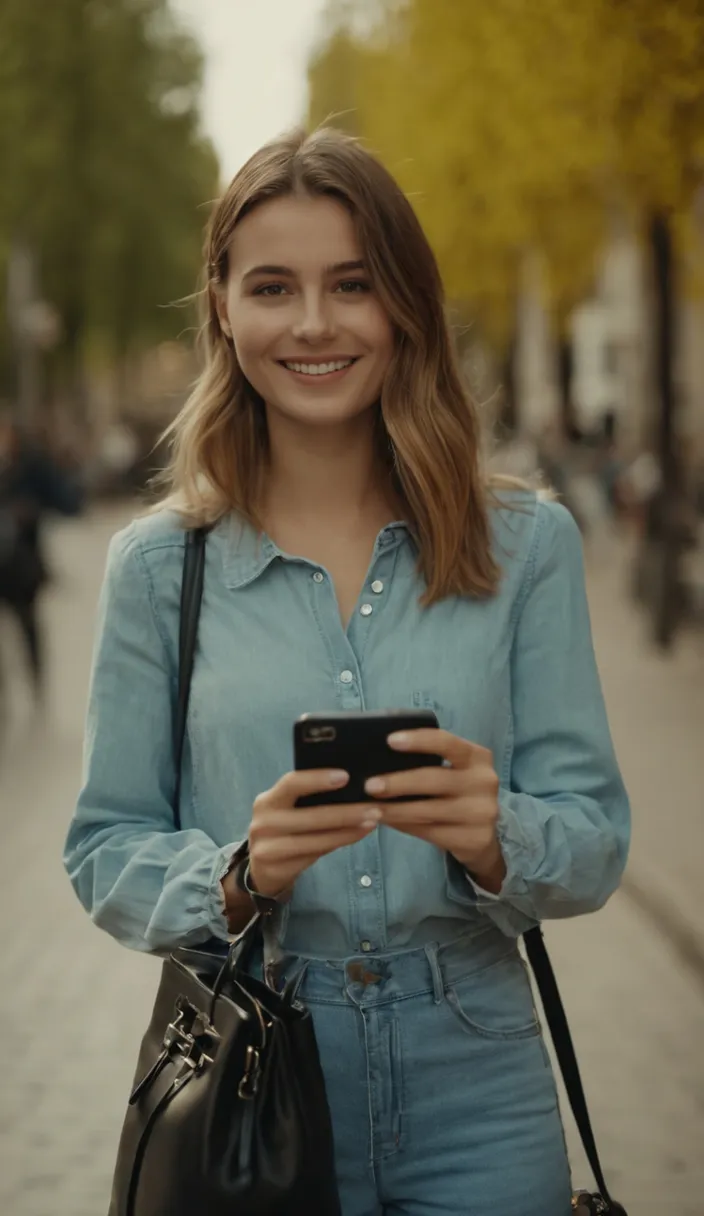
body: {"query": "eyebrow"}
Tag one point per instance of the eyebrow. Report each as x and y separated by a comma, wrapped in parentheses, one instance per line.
(286, 272)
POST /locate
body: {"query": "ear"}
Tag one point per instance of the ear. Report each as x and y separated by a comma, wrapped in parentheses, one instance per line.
(220, 301)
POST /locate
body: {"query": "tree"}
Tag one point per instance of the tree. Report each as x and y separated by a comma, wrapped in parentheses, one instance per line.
(462, 104)
(521, 127)
(660, 137)
(105, 169)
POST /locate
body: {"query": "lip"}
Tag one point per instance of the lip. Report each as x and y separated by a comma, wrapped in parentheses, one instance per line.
(333, 358)
(326, 377)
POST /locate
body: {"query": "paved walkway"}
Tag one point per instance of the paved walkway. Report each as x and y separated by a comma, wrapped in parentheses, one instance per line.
(656, 709)
(73, 1004)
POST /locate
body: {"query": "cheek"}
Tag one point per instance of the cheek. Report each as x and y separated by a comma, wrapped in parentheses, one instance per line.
(252, 335)
(367, 324)
(381, 334)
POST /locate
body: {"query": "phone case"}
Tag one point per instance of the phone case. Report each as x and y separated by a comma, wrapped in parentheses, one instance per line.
(356, 741)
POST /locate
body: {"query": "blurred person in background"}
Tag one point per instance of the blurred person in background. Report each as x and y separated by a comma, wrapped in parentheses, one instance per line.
(32, 483)
(358, 558)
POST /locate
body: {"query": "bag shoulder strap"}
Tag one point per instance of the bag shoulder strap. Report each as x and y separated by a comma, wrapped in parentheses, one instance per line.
(191, 596)
(556, 1018)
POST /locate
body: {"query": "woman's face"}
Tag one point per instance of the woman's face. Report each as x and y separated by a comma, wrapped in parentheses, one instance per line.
(309, 333)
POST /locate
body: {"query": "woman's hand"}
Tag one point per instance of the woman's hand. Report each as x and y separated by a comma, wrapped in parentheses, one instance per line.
(460, 808)
(284, 840)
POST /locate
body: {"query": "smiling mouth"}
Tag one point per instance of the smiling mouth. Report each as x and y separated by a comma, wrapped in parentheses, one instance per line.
(318, 369)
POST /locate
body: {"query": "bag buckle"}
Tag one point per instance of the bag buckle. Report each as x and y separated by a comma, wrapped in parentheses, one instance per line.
(585, 1204)
(191, 1036)
(249, 1083)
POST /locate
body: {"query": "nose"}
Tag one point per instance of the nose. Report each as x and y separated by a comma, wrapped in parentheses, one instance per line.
(315, 321)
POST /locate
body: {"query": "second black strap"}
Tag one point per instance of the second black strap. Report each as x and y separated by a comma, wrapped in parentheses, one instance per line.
(556, 1018)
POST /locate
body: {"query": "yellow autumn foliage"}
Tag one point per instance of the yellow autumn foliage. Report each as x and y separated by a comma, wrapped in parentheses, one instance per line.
(516, 126)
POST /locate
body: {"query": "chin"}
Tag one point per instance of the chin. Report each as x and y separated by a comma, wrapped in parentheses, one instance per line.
(320, 413)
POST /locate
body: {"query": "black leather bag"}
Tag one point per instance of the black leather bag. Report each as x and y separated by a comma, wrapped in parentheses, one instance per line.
(228, 1115)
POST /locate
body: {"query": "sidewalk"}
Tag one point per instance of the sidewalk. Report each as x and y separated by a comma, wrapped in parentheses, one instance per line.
(656, 711)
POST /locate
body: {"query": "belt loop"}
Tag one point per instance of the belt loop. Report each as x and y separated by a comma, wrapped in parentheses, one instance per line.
(296, 981)
(431, 952)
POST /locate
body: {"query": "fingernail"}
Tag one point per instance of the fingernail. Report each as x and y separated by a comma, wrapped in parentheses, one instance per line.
(371, 817)
(338, 776)
(400, 738)
(375, 785)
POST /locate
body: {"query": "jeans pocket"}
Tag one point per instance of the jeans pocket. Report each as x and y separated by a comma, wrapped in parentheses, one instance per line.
(496, 1002)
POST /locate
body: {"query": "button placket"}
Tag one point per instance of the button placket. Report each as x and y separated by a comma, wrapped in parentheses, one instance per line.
(350, 691)
(367, 901)
(372, 598)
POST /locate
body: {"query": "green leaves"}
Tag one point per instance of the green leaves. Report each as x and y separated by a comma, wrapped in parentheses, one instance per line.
(105, 169)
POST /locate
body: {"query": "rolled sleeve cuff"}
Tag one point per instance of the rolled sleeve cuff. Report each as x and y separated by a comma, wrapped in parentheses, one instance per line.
(521, 852)
(217, 920)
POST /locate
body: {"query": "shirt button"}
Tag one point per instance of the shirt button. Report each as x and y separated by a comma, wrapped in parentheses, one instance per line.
(318, 577)
(346, 677)
(366, 610)
(377, 586)
(366, 880)
(366, 946)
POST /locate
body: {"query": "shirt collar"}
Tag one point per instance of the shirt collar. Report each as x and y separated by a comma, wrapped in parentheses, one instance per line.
(247, 553)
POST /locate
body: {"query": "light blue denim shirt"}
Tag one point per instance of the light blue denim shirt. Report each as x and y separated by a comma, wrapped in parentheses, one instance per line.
(515, 673)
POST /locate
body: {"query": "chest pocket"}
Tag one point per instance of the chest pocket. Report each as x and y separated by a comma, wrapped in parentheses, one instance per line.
(425, 700)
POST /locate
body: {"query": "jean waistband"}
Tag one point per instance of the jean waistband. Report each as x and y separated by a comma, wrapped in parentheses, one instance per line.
(382, 978)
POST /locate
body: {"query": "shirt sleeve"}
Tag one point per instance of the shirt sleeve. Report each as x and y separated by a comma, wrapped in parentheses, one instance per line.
(564, 815)
(149, 886)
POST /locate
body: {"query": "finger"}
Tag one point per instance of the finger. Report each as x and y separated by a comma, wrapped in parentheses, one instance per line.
(296, 784)
(441, 835)
(306, 820)
(437, 782)
(460, 753)
(314, 844)
(429, 811)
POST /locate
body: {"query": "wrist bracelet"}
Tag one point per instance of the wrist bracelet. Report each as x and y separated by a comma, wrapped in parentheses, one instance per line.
(266, 904)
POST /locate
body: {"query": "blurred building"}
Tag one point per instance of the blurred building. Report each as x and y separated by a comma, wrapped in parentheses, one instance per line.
(611, 335)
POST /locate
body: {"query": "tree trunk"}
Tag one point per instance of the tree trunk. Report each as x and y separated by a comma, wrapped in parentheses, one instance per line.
(662, 532)
(73, 365)
(508, 419)
(565, 367)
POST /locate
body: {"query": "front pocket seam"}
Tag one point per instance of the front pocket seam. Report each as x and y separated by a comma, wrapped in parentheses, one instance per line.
(529, 1031)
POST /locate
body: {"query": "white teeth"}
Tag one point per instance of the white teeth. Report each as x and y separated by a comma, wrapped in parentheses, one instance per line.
(318, 369)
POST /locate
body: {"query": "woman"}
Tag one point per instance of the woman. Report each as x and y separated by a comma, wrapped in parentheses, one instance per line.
(358, 560)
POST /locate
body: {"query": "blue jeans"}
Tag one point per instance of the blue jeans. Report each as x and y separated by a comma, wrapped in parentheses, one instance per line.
(442, 1096)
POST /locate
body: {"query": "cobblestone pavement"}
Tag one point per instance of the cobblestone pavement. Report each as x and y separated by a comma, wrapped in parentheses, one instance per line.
(73, 1004)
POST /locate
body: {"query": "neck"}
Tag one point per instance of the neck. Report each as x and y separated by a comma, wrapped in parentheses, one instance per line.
(334, 475)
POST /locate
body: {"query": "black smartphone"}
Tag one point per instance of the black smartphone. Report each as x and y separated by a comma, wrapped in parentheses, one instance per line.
(355, 740)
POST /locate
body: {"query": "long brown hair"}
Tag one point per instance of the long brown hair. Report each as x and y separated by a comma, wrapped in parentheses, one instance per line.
(428, 426)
